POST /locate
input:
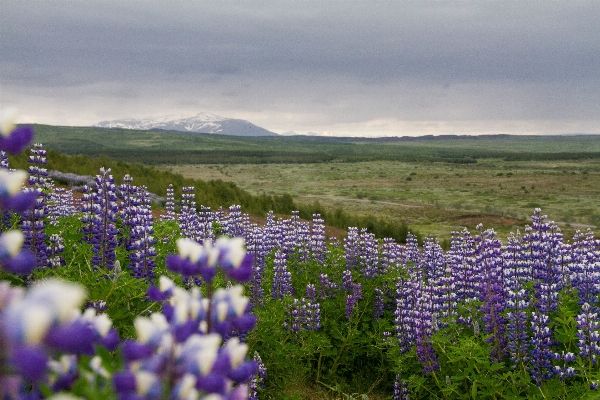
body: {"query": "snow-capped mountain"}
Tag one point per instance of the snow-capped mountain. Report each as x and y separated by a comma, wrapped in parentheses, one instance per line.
(200, 123)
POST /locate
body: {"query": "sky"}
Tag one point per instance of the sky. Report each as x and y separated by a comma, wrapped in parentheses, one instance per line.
(331, 67)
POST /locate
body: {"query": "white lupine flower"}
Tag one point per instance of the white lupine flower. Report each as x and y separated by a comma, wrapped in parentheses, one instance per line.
(212, 253)
(11, 182)
(11, 242)
(189, 249)
(8, 119)
(203, 349)
(144, 329)
(237, 351)
(222, 308)
(102, 324)
(61, 297)
(186, 388)
(164, 283)
(232, 249)
(35, 323)
(145, 382)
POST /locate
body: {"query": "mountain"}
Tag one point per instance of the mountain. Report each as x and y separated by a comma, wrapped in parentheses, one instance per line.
(200, 123)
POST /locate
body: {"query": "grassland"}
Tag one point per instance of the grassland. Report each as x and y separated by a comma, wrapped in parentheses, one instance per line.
(434, 198)
(433, 184)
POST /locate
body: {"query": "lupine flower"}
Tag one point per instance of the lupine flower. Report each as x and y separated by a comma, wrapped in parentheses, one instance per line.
(169, 205)
(400, 389)
(141, 242)
(12, 258)
(104, 230)
(282, 278)
(187, 218)
(11, 196)
(13, 139)
(44, 320)
(196, 259)
(378, 304)
(258, 382)
(180, 351)
(317, 239)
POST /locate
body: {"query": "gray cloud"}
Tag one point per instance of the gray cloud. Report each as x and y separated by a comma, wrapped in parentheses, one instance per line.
(305, 63)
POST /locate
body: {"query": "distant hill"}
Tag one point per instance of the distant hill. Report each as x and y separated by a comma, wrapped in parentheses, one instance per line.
(200, 123)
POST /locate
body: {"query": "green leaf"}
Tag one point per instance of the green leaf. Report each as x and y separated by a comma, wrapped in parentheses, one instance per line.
(474, 390)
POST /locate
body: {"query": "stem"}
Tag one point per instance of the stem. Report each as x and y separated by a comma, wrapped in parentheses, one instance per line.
(319, 364)
(339, 355)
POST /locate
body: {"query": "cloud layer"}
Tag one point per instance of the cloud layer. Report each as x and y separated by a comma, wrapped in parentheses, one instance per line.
(356, 68)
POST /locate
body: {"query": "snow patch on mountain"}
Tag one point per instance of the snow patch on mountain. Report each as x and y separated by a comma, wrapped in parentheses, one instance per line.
(200, 123)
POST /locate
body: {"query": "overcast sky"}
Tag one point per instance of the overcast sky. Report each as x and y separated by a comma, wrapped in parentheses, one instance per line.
(359, 68)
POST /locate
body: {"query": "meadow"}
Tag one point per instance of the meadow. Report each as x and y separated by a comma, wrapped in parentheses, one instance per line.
(182, 301)
(432, 198)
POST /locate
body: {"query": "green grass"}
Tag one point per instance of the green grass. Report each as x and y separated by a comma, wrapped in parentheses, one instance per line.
(439, 197)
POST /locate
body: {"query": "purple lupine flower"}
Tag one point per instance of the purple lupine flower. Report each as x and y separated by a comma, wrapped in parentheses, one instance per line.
(32, 221)
(433, 259)
(127, 209)
(255, 246)
(12, 258)
(588, 333)
(412, 255)
(197, 327)
(541, 356)
(350, 305)
(188, 218)
(317, 240)
(326, 287)
(282, 278)
(585, 268)
(104, 230)
(390, 256)
(141, 243)
(55, 249)
(400, 389)
(368, 254)
(378, 307)
(351, 250)
(196, 259)
(258, 382)
(563, 370)
(32, 224)
(86, 207)
(46, 320)
(4, 161)
(234, 225)
(303, 241)
(292, 322)
(462, 260)
(407, 294)
(13, 139)
(517, 302)
(205, 229)
(347, 280)
(60, 204)
(489, 259)
(311, 292)
(169, 205)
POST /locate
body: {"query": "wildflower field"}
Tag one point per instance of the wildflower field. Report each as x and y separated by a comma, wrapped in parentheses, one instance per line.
(103, 297)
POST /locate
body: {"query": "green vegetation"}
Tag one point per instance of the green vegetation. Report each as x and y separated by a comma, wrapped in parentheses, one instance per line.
(158, 147)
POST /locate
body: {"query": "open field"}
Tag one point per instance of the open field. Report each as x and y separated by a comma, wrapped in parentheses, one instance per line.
(433, 198)
(433, 184)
